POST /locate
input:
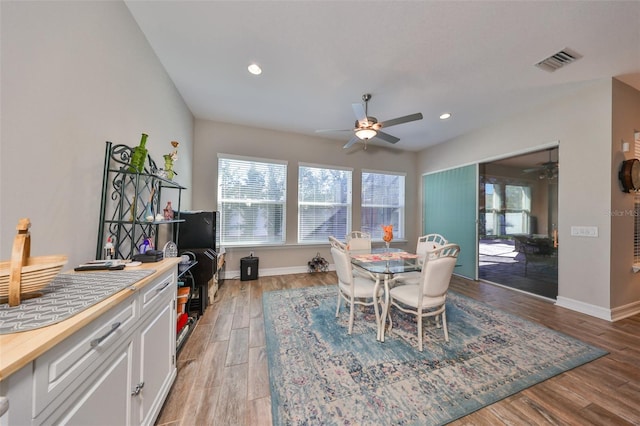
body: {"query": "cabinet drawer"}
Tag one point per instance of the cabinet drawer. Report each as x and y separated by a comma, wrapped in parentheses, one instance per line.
(153, 294)
(56, 370)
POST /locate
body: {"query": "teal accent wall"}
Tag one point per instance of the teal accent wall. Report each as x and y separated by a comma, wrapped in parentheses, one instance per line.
(451, 209)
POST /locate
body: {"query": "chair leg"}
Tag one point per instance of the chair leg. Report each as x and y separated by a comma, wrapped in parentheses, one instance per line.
(339, 302)
(444, 326)
(351, 315)
(420, 332)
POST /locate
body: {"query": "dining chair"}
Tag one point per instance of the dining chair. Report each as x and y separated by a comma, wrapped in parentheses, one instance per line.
(337, 243)
(359, 241)
(428, 298)
(426, 244)
(354, 289)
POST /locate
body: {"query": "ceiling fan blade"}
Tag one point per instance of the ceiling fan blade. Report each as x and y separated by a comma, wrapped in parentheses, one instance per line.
(361, 116)
(333, 130)
(400, 120)
(534, 169)
(351, 142)
(387, 137)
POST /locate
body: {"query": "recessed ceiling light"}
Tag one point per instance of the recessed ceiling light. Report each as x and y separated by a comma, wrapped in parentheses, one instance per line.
(445, 116)
(254, 69)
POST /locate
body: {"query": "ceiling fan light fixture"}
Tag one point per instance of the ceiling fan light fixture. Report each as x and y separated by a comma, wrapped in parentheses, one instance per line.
(366, 133)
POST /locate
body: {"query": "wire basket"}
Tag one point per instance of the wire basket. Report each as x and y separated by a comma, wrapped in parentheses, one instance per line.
(23, 276)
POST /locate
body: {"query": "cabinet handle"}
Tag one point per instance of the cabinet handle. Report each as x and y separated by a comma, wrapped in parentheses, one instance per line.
(158, 290)
(138, 388)
(114, 327)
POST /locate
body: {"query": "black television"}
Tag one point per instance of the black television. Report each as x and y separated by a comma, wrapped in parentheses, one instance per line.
(199, 230)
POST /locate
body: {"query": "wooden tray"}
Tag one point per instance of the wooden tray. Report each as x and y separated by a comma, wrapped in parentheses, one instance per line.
(23, 276)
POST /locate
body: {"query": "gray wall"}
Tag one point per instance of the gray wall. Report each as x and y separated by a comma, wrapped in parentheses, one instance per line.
(593, 276)
(213, 138)
(75, 74)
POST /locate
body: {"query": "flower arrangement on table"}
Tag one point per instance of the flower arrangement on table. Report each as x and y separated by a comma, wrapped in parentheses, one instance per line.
(387, 236)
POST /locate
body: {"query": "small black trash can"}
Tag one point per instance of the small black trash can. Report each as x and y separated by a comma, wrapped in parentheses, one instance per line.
(249, 268)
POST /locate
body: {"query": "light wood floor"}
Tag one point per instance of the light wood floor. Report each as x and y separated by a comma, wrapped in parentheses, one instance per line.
(223, 374)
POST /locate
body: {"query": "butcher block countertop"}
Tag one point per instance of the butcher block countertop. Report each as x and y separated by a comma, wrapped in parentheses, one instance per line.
(19, 349)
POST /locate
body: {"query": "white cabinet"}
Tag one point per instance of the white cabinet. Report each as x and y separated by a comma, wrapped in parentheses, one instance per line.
(157, 366)
(117, 370)
(106, 400)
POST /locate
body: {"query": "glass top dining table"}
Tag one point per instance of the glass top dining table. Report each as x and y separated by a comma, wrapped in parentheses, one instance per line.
(383, 265)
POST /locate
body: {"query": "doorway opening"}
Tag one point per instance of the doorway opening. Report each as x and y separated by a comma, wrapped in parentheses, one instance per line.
(518, 217)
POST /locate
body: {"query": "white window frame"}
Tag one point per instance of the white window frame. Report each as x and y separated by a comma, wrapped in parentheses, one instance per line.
(347, 203)
(225, 205)
(399, 229)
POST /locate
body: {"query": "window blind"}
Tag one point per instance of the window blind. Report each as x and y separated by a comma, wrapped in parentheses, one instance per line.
(383, 203)
(252, 197)
(324, 203)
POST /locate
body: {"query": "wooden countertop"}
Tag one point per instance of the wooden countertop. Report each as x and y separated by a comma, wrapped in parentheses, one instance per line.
(19, 349)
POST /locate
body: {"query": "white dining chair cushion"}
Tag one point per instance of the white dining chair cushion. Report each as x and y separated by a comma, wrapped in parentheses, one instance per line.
(408, 295)
(362, 287)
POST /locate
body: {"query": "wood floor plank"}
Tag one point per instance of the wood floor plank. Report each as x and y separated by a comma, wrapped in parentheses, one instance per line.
(259, 412)
(173, 408)
(596, 415)
(222, 327)
(603, 392)
(211, 366)
(258, 383)
(238, 352)
(232, 403)
(256, 332)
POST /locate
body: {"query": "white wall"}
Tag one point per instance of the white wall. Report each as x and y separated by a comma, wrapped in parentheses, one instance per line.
(625, 285)
(581, 122)
(75, 74)
(213, 138)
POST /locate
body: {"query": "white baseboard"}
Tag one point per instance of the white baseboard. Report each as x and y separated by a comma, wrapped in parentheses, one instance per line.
(584, 308)
(625, 311)
(230, 275)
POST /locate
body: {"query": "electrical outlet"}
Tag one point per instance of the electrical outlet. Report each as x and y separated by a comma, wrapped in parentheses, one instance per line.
(584, 231)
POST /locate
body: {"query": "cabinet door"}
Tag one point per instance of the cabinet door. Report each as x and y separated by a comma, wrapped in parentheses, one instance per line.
(107, 401)
(157, 361)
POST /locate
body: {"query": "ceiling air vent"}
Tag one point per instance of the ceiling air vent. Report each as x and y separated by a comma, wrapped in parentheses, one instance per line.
(558, 60)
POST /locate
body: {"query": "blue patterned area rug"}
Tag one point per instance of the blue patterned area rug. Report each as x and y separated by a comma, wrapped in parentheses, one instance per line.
(319, 375)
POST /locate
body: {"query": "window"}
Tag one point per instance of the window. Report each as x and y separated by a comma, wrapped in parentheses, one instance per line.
(507, 208)
(382, 203)
(252, 198)
(324, 203)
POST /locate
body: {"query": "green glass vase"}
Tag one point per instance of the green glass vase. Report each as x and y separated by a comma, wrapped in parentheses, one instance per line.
(138, 156)
(168, 166)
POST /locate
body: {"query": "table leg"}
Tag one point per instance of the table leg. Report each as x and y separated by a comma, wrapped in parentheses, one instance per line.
(376, 289)
(385, 309)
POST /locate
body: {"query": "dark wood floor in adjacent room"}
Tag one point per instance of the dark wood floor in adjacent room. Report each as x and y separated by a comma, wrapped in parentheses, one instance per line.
(223, 374)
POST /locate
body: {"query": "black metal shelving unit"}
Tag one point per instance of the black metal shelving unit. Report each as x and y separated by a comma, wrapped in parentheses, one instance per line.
(185, 275)
(125, 195)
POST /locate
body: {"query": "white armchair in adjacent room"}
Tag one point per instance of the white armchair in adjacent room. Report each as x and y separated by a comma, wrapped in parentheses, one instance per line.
(428, 297)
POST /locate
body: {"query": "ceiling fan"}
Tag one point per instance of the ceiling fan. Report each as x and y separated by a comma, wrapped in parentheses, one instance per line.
(367, 127)
(546, 170)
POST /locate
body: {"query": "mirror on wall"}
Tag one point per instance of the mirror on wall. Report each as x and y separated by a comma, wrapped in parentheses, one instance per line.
(517, 222)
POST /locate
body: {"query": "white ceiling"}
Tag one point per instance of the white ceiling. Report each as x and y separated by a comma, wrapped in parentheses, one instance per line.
(474, 59)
